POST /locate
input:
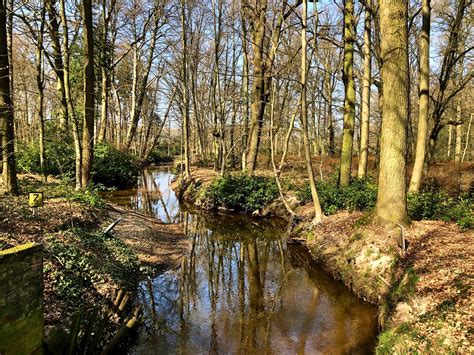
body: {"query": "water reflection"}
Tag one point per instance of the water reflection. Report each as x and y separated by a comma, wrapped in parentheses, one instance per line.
(152, 196)
(242, 289)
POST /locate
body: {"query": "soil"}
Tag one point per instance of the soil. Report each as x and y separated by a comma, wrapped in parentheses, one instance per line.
(157, 245)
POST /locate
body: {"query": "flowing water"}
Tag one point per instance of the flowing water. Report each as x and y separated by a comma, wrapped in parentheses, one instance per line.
(241, 289)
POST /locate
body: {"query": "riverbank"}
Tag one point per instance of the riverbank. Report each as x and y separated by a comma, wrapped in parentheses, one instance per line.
(423, 296)
(83, 266)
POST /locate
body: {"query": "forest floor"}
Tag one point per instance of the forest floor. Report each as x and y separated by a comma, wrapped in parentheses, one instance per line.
(424, 297)
(82, 265)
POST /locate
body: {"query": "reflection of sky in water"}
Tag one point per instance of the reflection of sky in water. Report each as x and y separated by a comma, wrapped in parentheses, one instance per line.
(242, 290)
(153, 196)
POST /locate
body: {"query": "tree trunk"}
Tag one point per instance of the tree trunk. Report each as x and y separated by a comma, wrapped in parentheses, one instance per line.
(89, 99)
(417, 174)
(366, 81)
(187, 168)
(450, 140)
(245, 91)
(7, 134)
(391, 206)
(67, 94)
(53, 27)
(318, 214)
(40, 97)
(258, 88)
(458, 149)
(350, 94)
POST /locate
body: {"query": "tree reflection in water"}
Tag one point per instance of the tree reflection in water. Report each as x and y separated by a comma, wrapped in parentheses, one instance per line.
(241, 289)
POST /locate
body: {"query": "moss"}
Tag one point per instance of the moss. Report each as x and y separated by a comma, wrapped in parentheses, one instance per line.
(18, 249)
(31, 330)
(388, 339)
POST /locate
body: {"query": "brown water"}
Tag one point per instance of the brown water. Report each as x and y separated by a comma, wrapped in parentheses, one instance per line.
(242, 289)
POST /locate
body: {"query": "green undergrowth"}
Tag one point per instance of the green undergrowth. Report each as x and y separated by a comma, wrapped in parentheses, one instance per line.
(241, 192)
(360, 195)
(112, 167)
(63, 188)
(430, 204)
(79, 261)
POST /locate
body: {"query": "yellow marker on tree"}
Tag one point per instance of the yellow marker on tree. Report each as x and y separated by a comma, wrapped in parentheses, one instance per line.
(35, 199)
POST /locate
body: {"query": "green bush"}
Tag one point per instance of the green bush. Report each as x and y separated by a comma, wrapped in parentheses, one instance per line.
(361, 195)
(59, 156)
(113, 167)
(241, 192)
(437, 205)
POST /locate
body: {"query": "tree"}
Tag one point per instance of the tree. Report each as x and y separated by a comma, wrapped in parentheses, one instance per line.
(318, 214)
(7, 133)
(89, 98)
(58, 67)
(423, 112)
(366, 82)
(391, 206)
(64, 78)
(184, 84)
(40, 87)
(350, 95)
(447, 87)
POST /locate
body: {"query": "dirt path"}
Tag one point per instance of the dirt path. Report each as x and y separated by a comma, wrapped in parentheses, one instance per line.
(156, 244)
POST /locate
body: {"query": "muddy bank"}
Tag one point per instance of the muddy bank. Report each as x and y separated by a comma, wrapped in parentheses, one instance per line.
(423, 296)
(156, 244)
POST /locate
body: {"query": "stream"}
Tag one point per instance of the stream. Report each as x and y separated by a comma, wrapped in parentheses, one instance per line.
(241, 289)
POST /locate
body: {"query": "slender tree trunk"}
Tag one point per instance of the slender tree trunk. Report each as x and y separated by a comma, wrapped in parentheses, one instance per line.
(89, 99)
(450, 140)
(103, 104)
(70, 112)
(40, 96)
(318, 214)
(391, 206)
(458, 149)
(187, 168)
(468, 138)
(7, 133)
(53, 27)
(366, 81)
(417, 174)
(107, 51)
(245, 90)
(330, 124)
(350, 94)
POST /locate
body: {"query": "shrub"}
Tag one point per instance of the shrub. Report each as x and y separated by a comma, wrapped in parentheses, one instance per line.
(241, 192)
(113, 167)
(59, 156)
(437, 205)
(360, 195)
